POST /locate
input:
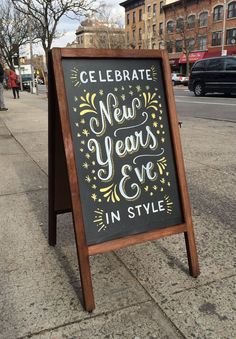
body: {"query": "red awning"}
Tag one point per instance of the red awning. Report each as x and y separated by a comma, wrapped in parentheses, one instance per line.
(193, 56)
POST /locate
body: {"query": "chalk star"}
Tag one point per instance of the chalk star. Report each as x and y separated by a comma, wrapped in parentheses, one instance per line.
(94, 196)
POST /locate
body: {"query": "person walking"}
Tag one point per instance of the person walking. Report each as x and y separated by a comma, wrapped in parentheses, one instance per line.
(13, 83)
(2, 103)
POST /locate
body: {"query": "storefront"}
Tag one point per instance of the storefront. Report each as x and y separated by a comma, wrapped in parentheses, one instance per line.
(195, 56)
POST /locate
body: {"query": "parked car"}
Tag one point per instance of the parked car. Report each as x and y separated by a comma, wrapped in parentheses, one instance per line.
(213, 75)
(178, 78)
(26, 80)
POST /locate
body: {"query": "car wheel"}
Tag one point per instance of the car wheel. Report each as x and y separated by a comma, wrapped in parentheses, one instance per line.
(199, 89)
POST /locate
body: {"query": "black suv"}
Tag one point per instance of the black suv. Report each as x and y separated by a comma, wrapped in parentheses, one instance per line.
(213, 75)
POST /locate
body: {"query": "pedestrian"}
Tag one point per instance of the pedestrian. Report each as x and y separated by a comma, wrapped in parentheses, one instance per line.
(13, 82)
(2, 103)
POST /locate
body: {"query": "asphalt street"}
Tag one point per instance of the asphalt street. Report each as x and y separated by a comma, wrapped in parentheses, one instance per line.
(211, 107)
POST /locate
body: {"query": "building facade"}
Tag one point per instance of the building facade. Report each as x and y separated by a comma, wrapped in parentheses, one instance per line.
(97, 34)
(196, 29)
(144, 23)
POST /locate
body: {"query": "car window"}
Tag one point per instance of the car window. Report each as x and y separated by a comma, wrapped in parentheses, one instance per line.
(231, 64)
(215, 65)
(199, 66)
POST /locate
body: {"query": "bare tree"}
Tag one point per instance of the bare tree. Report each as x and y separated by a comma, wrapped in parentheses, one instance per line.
(187, 30)
(44, 15)
(110, 33)
(13, 31)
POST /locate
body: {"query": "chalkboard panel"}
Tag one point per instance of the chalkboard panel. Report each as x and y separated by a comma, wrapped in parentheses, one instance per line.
(123, 147)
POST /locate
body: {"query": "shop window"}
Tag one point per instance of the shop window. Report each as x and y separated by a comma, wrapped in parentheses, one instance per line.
(170, 26)
(218, 13)
(191, 22)
(203, 18)
(232, 10)
(231, 36)
(216, 38)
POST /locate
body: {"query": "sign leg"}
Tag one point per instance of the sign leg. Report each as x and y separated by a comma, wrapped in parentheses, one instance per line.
(52, 227)
(192, 253)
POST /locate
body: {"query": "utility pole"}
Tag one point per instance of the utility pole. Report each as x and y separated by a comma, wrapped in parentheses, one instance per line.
(223, 30)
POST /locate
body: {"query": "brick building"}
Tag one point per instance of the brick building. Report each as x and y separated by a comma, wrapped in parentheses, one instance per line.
(144, 23)
(200, 29)
(96, 34)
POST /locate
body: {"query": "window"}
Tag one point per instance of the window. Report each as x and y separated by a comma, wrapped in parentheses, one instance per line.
(154, 29)
(231, 64)
(133, 36)
(232, 10)
(149, 10)
(200, 66)
(140, 15)
(154, 9)
(170, 26)
(127, 37)
(153, 46)
(161, 7)
(178, 45)
(231, 36)
(202, 42)
(190, 44)
(218, 13)
(180, 25)
(161, 28)
(216, 38)
(169, 46)
(203, 18)
(127, 19)
(140, 33)
(215, 64)
(133, 17)
(191, 21)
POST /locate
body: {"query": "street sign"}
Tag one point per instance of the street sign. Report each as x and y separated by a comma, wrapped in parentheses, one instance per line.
(115, 157)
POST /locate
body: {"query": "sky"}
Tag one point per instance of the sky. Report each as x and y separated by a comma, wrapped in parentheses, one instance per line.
(68, 27)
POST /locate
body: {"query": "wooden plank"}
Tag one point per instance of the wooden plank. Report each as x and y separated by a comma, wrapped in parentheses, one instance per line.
(82, 249)
(135, 239)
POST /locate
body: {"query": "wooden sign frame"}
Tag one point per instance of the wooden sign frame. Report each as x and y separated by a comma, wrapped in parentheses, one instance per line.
(64, 194)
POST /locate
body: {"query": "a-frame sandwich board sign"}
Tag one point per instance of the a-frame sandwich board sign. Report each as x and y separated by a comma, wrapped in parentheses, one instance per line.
(115, 157)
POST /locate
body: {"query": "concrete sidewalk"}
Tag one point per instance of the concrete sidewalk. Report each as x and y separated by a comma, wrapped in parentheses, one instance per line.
(143, 291)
